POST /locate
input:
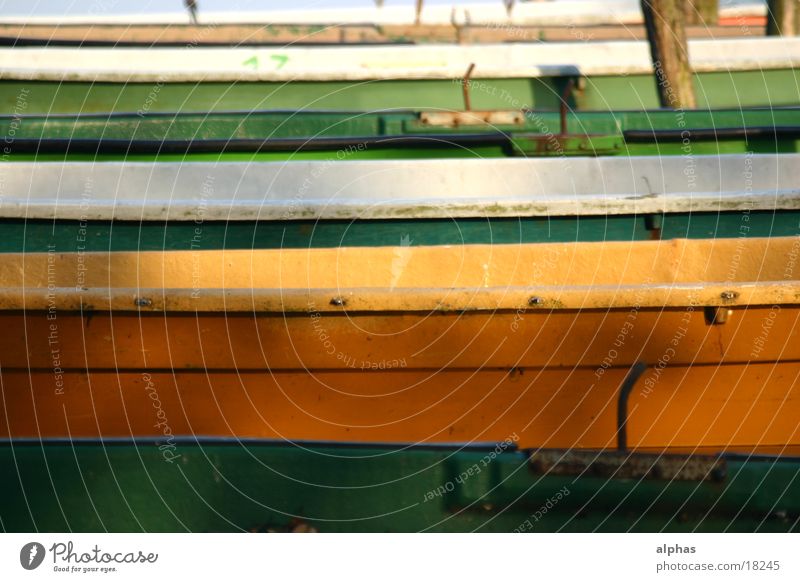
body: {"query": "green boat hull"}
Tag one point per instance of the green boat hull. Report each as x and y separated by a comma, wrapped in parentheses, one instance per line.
(717, 89)
(101, 236)
(251, 486)
(335, 136)
(177, 124)
(722, 131)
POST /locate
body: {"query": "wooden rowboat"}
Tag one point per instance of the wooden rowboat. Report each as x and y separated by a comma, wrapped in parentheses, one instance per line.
(445, 334)
(327, 139)
(332, 202)
(421, 344)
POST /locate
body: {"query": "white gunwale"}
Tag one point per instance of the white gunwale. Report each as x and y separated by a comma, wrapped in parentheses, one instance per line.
(385, 189)
(359, 63)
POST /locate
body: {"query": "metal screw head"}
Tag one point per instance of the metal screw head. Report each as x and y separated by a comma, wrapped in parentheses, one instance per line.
(729, 295)
(338, 302)
(142, 302)
(535, 301)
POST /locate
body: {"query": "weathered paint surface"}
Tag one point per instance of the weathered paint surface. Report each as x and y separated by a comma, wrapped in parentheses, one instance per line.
(532, 339)
(751, 405)
(601, 266)
(390, 189)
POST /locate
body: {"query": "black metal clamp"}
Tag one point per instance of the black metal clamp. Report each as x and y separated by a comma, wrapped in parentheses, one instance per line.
(622, 403)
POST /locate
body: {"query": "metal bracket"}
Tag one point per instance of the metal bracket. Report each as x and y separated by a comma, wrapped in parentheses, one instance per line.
(471, 118)
(717, 315)
(622, 403)
(562, 109)
(465, 87)
(624, 465)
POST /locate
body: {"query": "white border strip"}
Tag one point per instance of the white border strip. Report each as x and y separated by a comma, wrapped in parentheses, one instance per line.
(400, 557)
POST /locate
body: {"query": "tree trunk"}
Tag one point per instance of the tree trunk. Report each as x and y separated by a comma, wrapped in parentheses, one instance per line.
(702, 12)
(781, 17)
(666, 33)
(418, 12)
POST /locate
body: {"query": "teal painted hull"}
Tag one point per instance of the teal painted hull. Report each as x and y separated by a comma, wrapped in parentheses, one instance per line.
(335, 136)
(97, 236)
(283, 487)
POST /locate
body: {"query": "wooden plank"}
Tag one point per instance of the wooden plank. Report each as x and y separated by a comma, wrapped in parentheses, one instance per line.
(517, 342)
(676, 273)
(656, 266)
(702, 406)
(242, 34)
